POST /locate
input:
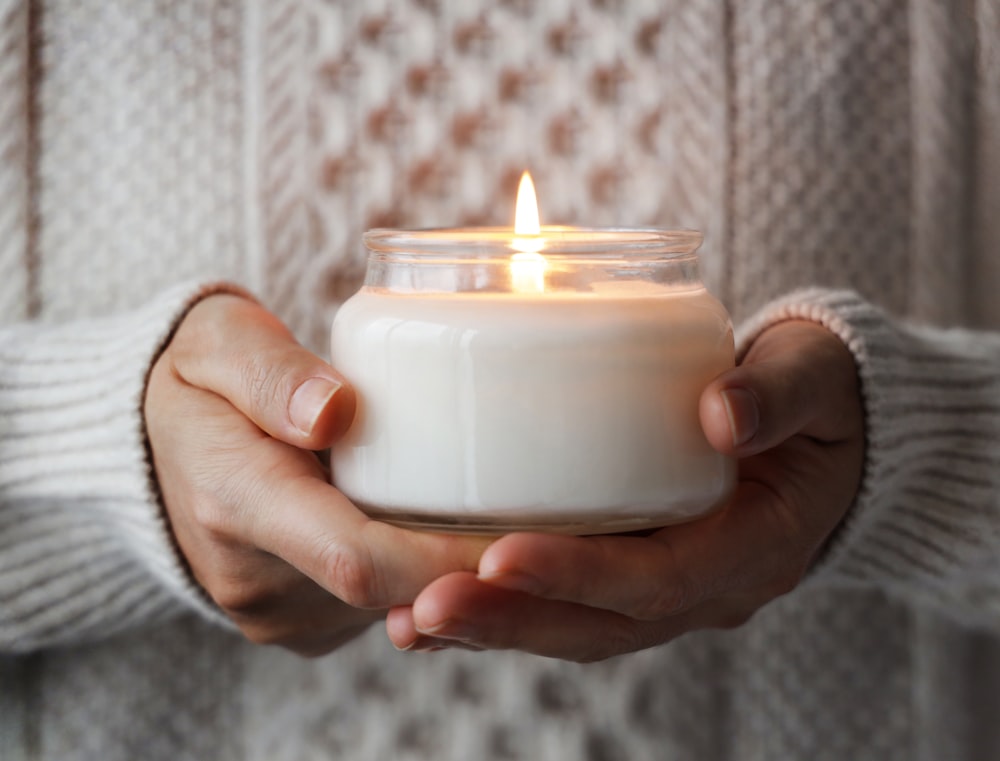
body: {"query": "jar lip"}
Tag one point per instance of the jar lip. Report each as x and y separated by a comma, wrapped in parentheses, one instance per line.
(559, 241)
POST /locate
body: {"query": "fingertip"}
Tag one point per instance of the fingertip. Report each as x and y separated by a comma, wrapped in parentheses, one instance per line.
(309, 399)
(742, 413)
(337, 417)
(509, 555)
(715, 420)
(438, 603)
(536, 564)
(514, 581)
(400, 628)
(430, 609)
(322, 409)
(346, 409)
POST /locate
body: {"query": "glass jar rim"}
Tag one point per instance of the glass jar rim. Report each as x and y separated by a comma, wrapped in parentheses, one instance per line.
(593, 243)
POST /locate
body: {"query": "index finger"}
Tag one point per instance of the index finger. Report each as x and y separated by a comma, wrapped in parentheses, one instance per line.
(364, 562)
(746, 545)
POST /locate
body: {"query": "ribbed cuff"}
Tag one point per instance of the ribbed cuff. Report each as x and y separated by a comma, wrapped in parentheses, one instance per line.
(926, 521)
(85, 549)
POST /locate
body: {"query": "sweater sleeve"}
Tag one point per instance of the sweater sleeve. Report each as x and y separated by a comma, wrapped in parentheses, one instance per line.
(926, 522)
(85, 550)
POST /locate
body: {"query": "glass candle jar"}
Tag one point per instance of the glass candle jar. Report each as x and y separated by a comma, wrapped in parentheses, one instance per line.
(548, 383)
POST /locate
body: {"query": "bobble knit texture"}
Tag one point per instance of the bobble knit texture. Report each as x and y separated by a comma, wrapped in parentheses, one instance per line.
(848, 144)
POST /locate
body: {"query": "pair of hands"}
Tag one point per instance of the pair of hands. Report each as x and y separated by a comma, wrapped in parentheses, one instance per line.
(235, 407)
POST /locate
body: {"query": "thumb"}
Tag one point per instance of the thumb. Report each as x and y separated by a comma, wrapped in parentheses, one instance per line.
(237, 349)
(797, 377)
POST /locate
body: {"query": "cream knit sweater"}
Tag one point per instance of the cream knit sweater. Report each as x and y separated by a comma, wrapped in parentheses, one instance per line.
(148, 148)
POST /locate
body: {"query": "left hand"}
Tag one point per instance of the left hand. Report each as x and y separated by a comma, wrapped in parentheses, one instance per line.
(234, 410)
(792, 413)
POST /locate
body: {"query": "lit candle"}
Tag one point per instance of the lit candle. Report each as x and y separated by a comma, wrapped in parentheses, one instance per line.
(527, 266)
(540, 378)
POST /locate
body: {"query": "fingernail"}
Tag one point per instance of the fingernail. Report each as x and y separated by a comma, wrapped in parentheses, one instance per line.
(437, 645)
(452, 629)
(744, 416)
(468, 647)
(518, 582)
(309, 400)
(419, 645)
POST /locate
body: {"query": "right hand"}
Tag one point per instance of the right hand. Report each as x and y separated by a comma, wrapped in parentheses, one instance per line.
(232, 408)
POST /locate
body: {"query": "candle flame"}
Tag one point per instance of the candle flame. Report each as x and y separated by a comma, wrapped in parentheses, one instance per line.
(527, 267)
(526, 213)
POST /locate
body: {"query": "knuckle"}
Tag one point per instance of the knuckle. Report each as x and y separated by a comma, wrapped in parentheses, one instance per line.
(212, 516)
(235, 600)
(351, 574)
(239, 598)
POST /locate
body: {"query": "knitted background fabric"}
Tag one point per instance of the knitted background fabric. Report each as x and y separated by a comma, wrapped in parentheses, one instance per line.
(841, 142)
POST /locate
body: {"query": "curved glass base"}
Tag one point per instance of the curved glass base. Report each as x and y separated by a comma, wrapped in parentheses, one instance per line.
(576, 524)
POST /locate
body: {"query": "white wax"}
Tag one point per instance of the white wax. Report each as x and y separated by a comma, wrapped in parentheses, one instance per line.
(557, 411)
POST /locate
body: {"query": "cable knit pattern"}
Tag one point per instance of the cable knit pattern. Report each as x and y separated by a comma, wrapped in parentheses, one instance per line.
(842, 143)
(822, 146)
(986, 152)
(943, 131)
(420, 116)
(113, 74)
